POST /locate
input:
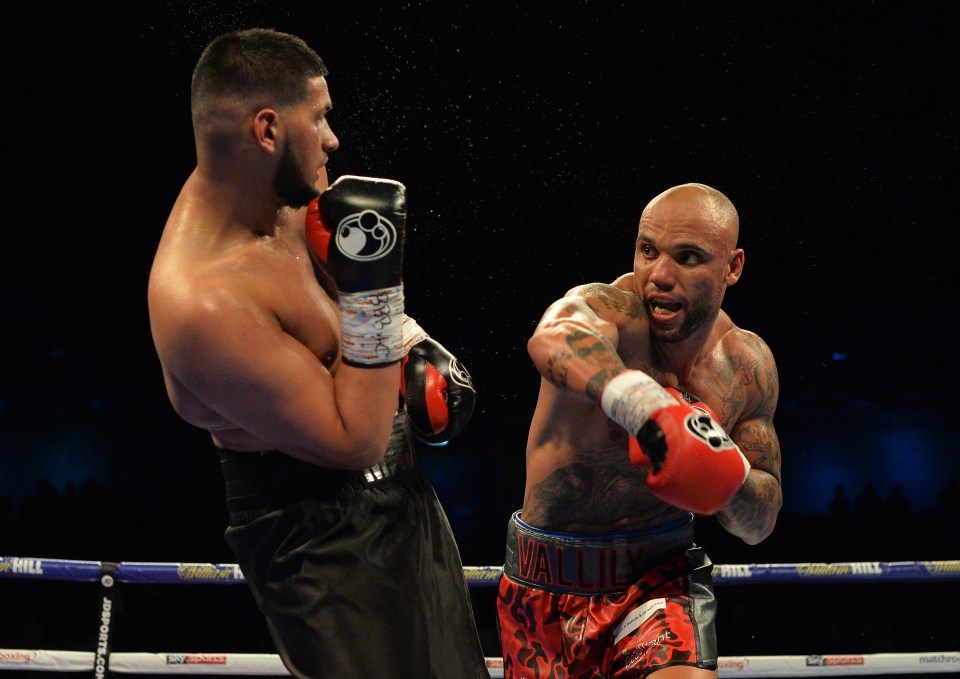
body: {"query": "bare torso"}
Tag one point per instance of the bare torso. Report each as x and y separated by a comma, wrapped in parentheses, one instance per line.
(203, 261)
(579, 476)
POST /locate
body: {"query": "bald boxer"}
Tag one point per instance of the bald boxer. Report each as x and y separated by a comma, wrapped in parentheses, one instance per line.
(277, 311)
(654, 407)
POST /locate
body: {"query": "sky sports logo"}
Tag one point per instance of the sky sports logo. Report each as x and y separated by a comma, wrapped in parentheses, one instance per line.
(195, 659)
(833, 660)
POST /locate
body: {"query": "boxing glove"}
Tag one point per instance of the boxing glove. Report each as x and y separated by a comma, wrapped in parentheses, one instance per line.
(355, 232)
(691, 463)
(356, 229)
(438, 391)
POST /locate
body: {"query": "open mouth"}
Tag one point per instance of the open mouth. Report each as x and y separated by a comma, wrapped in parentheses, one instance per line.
(664, 307)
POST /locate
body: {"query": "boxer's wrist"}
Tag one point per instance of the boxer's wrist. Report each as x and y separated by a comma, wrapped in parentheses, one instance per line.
(371, 327)
(631, 397)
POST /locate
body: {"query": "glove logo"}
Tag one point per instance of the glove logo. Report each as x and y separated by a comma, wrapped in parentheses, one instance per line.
(460, 376)
(365, 236)
(700, 424)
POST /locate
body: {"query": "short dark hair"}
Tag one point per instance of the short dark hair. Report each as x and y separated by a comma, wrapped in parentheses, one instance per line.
(255, 63)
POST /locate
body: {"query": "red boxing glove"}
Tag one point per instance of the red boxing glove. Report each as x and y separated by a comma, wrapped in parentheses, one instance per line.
(438, 392)
(692, 463)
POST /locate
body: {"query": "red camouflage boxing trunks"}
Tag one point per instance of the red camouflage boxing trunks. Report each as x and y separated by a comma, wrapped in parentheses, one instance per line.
(605, 606)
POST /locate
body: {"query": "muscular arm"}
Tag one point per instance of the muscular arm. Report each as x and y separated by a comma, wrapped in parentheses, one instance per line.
(752, 513)
(233, 355)
(574, 346)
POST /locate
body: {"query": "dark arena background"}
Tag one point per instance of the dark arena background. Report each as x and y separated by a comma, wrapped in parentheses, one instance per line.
(529, 135)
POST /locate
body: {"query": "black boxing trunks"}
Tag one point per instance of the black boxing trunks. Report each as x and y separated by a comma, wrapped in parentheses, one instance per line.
(605, 606)
(352, 570)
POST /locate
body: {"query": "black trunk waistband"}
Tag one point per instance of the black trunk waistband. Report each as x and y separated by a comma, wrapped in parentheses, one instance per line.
(584, 564)
(258, 483)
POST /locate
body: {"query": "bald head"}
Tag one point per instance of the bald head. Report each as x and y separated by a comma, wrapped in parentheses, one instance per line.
(686, 258)
(694, 202)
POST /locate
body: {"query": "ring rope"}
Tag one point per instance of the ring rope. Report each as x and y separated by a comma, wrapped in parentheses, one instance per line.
(108, 574)
(142, 572)
(266, 664)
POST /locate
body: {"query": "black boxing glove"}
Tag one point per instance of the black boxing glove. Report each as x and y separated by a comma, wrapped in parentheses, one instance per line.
(438, 391)
(355, 230)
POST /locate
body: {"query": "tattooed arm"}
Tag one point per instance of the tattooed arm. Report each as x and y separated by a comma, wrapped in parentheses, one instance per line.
(574, 346)
(752, 513)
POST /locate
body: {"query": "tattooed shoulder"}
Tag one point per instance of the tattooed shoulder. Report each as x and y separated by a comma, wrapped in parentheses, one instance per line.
(764, 372)
(613, 298)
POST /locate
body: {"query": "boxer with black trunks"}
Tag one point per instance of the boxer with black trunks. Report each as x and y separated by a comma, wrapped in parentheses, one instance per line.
(641, 381)
(277, 311)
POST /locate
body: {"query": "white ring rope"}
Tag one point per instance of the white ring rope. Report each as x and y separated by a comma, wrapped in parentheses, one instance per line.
(264, 664)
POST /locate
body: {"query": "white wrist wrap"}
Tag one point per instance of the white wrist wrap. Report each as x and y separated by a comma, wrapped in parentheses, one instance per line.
(412, 334)
(371, 326)
(631, 397)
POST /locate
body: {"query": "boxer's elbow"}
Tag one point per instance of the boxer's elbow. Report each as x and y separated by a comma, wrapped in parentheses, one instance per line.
(750, 518)
(755, 537)
(539, 349)
(751, 532)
